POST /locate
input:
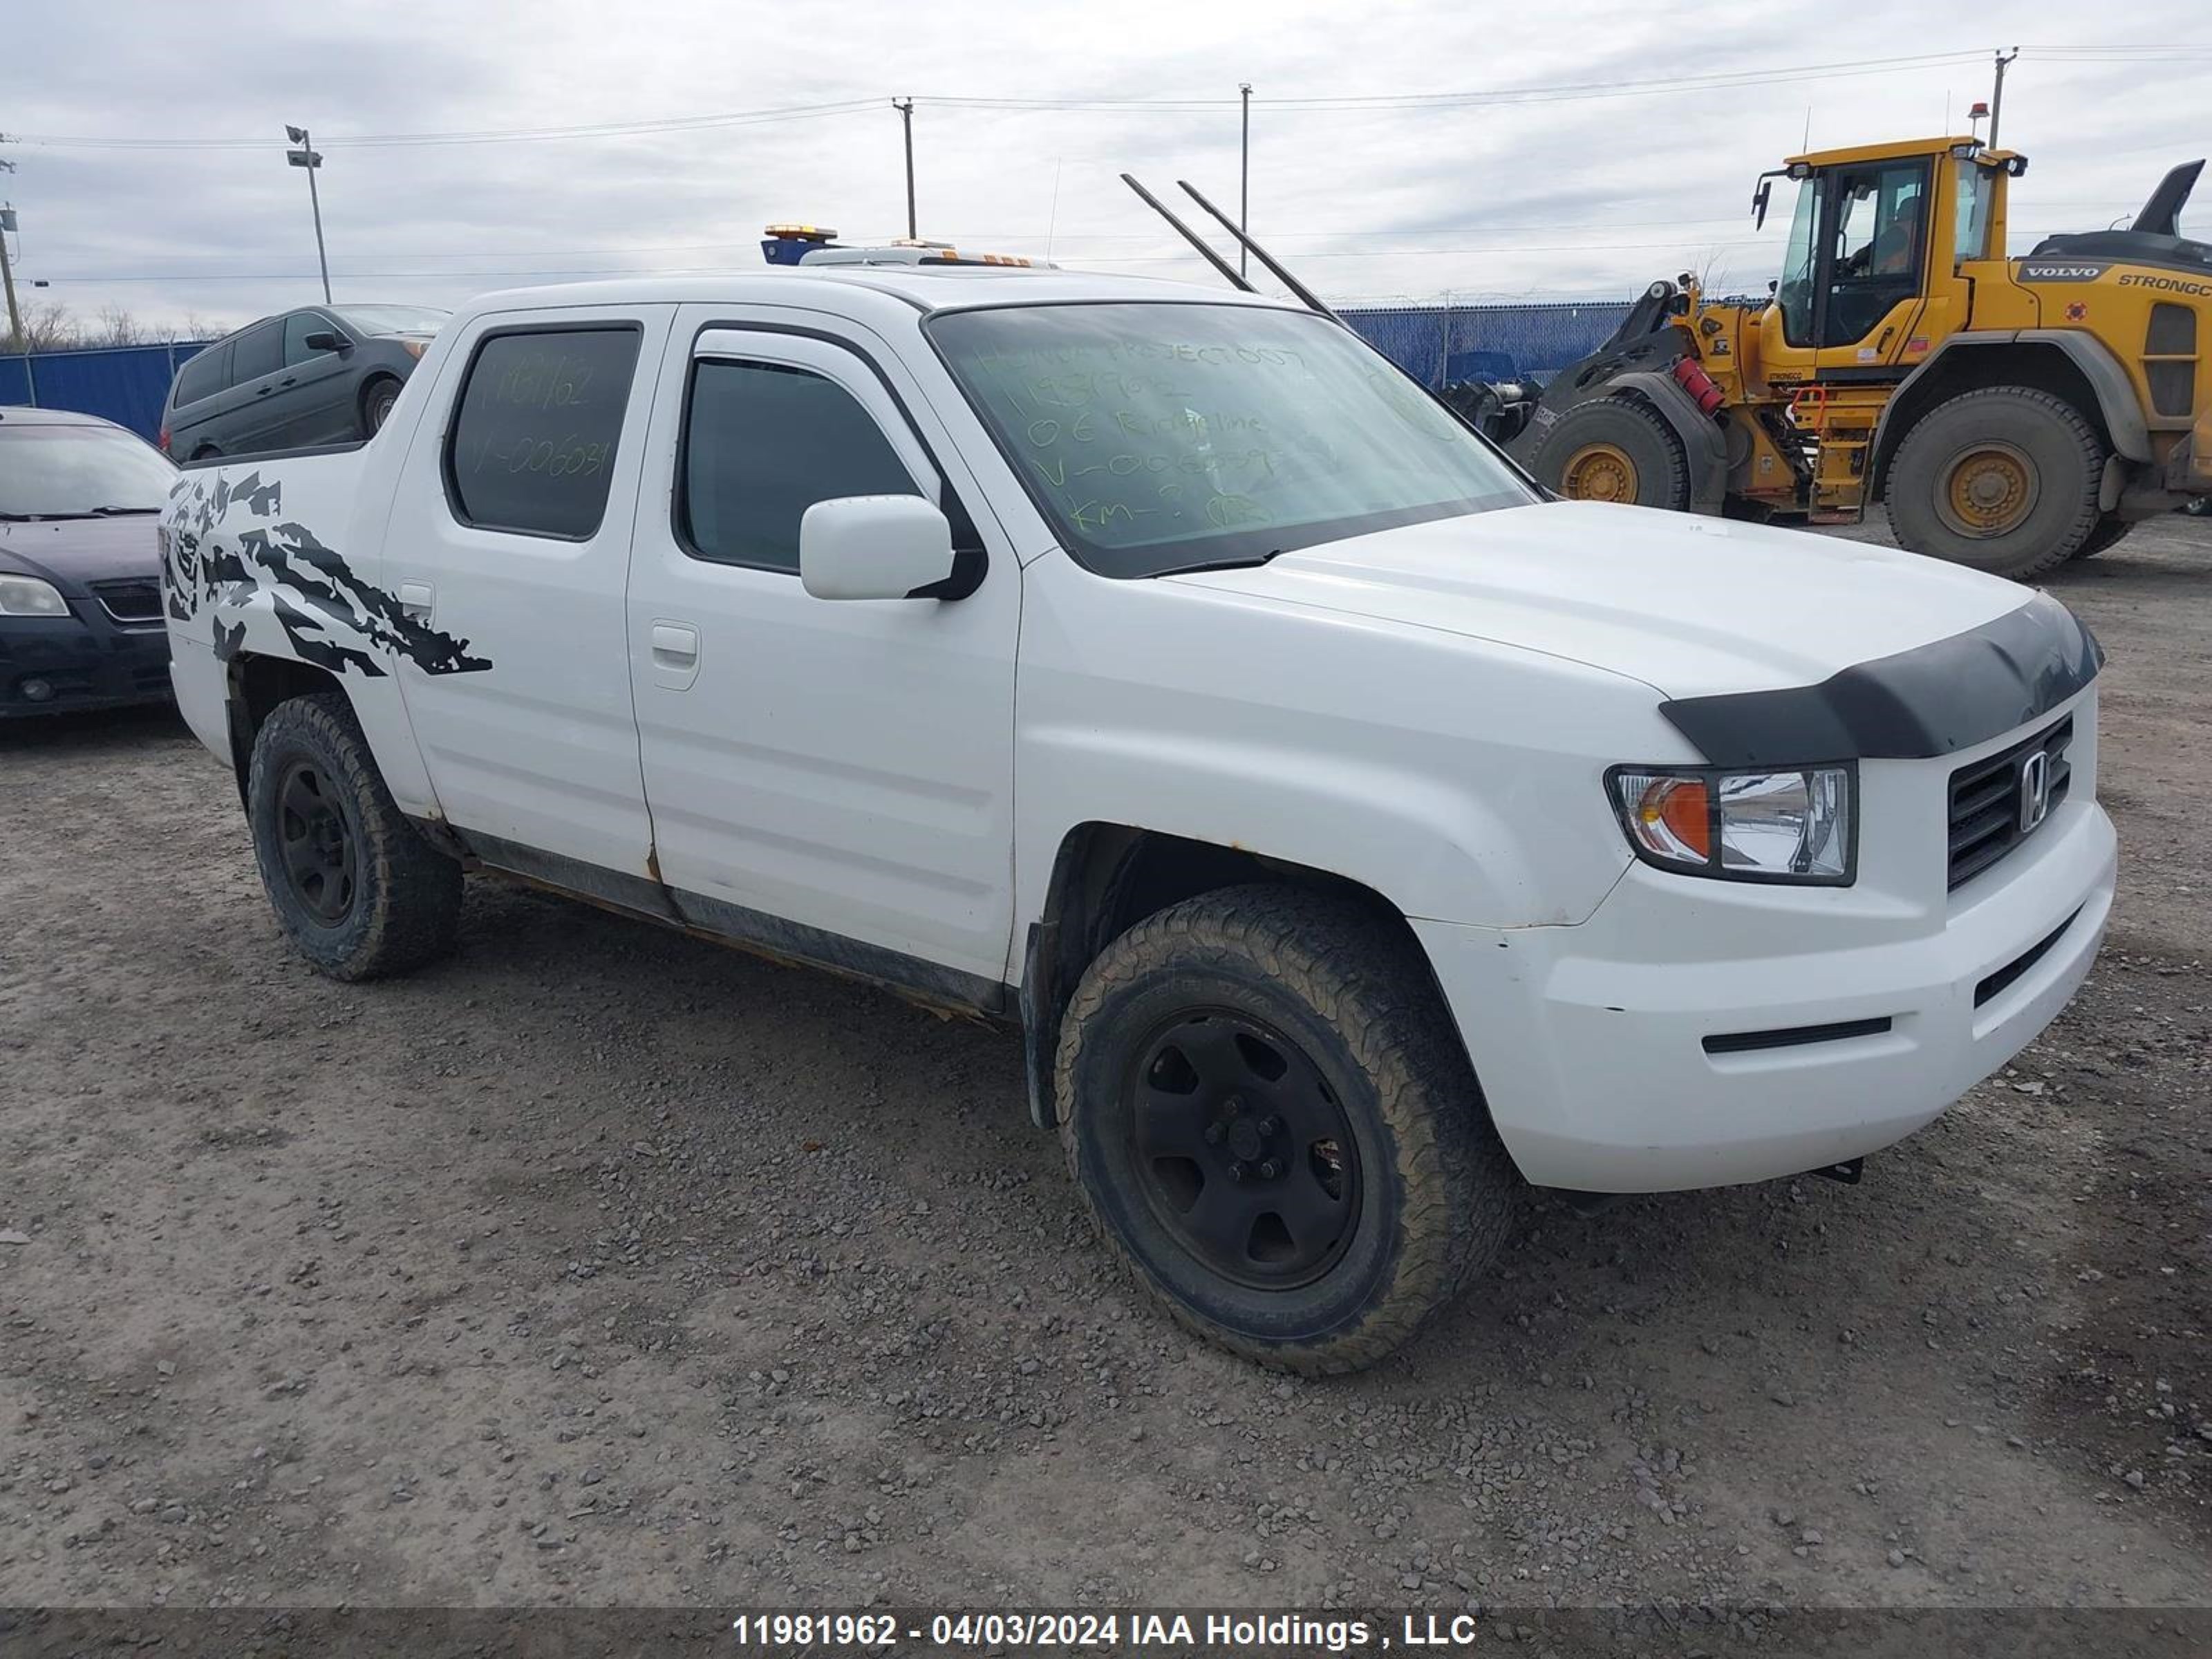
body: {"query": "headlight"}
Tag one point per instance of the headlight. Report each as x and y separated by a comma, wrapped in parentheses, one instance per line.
(26, 596)
(1793, 826)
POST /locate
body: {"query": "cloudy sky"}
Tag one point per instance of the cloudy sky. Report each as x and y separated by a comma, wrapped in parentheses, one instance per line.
(1398, 150)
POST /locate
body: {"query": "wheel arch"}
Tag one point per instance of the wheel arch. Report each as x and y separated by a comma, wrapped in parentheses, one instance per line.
(1106, 877)
(255, 683)
(2064, 362)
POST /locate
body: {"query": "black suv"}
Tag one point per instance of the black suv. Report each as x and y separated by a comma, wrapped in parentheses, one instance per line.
(324, 375)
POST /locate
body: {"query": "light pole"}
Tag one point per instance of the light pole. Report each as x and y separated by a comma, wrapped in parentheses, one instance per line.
(1244, 175)
(304, 154)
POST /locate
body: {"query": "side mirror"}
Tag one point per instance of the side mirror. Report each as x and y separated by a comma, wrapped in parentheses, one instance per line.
(323, 340)
(876, 547)
(1758, 201)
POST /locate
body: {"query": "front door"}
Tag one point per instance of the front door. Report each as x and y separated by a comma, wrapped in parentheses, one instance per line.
(1874, 277)
(824, 774)
(314, 390)
(509, 550)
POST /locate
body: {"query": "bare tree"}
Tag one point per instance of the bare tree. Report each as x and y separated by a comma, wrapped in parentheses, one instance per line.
(49, 327)
(115, 327)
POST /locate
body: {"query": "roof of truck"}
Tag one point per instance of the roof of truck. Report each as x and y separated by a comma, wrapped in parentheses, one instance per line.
(924, 287)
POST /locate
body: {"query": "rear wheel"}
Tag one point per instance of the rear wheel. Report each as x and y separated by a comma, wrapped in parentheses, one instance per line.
(1269, 1113)
(1615, 449)
(2004, 479)
(356, 888)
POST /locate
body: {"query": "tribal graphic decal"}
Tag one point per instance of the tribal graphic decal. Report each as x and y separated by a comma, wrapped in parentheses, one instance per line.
(221, 542)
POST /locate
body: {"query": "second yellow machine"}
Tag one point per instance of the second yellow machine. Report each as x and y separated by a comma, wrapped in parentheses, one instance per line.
(2013, 413)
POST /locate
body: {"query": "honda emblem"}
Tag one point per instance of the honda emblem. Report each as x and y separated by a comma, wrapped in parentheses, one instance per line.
(2034, 790)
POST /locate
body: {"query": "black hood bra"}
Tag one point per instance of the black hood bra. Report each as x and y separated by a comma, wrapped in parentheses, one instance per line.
(1933, 700)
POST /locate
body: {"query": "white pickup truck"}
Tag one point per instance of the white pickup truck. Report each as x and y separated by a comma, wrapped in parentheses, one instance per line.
(1353, 834)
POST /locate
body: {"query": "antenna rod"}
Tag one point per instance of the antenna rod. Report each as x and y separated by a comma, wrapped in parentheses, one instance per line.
(1188, 234)
(1303, 294)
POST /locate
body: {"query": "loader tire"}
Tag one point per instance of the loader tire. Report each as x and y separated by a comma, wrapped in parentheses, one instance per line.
(2003, 479)
(1266, 1106)
(1615, 449)
(2108, 532)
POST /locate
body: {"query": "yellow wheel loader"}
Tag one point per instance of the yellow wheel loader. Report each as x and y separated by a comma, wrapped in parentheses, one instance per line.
(2013, 413)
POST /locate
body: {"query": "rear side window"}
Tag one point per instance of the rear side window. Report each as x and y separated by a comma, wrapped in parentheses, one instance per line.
(763, 443)
(257, 352)
(532, 447)
(202, 377)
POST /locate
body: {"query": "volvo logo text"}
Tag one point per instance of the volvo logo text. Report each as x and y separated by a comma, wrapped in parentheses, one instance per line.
(2034, 790)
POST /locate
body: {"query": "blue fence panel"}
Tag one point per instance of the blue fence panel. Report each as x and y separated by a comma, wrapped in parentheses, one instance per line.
(127, 385)
(1436, 344)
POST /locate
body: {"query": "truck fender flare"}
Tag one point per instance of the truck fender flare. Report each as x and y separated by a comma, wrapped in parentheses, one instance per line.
(2108, 381)
(1704, 445)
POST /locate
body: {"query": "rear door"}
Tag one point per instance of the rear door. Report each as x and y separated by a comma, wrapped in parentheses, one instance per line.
(509, 544)
(313, 397)
(820, 771)
(194, 397)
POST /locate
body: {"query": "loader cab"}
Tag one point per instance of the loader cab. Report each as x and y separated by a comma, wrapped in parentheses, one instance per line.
(1872, 279)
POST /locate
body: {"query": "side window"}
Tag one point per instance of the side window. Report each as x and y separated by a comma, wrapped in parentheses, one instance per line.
(202, 376)
(1793, 293)
(297, 327)
(762, 444)
(531, 448)
(1970, 227)
(258, 351)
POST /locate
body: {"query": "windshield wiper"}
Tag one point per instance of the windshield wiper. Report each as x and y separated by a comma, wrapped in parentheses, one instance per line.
(120, 512)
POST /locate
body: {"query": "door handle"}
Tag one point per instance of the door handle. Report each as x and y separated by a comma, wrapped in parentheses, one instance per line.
(416, 601)
(675, 654)
(264, 391)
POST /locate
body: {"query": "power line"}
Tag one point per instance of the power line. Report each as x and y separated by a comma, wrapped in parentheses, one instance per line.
(1566, 91)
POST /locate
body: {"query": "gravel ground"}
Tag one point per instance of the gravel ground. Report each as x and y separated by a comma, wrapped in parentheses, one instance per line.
(601, 1266)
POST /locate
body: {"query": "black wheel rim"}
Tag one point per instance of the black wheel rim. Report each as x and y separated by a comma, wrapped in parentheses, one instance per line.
(316, 844)
(1241, 1151)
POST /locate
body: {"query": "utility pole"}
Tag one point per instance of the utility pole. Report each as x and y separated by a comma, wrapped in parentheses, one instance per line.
(1996, 98)
(905, 107)
(1244, 177)
(304, 154)
(15, 339)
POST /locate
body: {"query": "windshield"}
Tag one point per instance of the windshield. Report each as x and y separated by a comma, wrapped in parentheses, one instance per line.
(393, 319)
(1161, 437)
(74, 472)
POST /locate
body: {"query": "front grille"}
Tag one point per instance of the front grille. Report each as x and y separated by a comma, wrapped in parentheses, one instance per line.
(1985, 799)
(131, 601)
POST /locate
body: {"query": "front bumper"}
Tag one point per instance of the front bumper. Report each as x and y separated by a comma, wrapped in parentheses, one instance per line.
(1591, 1041)
(84, 660)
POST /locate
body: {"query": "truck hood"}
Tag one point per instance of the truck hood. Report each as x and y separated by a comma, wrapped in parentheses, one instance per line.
(1692, 606)
(70, 552)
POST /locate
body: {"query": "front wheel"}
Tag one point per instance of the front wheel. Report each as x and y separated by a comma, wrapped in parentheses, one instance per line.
(2004, 479)
(376, 405)
(1269, 1113)
(1613, 449)
(356, 888)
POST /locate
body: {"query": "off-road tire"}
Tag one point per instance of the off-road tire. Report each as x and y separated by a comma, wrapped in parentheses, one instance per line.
(377, 398)
(1348, 985)
(406, 899)
(1636, 430)
(2067, 457)
(2108, 530)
